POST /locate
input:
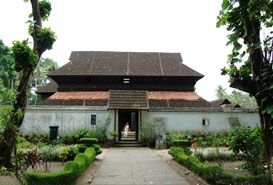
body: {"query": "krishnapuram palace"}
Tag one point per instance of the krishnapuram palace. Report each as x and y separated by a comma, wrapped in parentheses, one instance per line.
(96, 87)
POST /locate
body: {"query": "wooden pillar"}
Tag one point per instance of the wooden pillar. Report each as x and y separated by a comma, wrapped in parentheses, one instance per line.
(139, 124)
(115, 120)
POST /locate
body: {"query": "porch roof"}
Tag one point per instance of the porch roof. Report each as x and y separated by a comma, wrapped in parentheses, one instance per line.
(128, 99)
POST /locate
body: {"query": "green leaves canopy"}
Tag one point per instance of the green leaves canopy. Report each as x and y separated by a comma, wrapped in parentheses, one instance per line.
(45, 9)
(240, 18)
(23, 55)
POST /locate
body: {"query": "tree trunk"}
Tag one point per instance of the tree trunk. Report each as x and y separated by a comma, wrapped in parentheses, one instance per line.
(19, 106)
(8, 143)
(266, 125)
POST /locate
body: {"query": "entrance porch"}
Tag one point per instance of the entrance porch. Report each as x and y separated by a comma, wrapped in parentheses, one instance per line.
(128, 106)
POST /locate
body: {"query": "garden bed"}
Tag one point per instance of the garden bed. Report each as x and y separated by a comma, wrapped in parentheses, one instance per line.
(53, 166)
(11, 179)
(214, 174)
(233, 167)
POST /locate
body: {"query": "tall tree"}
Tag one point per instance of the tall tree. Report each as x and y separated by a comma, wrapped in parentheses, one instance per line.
(39, 78)
(243, 99)
(236, 97)
(221, 92)
(26, 59)
(7, 75)
(250, 62)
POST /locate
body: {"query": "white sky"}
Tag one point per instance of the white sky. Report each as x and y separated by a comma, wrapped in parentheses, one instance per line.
(184, 26)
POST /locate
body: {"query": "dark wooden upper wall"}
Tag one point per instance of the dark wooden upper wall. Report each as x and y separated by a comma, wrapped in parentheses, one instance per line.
(83, 83)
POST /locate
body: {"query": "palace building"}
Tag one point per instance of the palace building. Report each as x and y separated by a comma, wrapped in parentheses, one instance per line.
(96, 87)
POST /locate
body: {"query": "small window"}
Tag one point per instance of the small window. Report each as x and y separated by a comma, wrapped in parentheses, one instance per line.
(205, 121)
(234, 122)
(93, 119)
(126, 80)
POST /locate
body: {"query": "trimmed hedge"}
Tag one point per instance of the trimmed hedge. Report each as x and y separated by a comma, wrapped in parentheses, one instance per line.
(181, 143)
(81, 147)
(89, 141)
(97, 148)
(71, 171)
(214, 174)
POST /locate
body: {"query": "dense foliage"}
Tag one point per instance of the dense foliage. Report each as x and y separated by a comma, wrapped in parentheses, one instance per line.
(147, 134)
(23, 55)
(236, 97)
(202, 139)
(71, 171)
(8, 75)
(215, 174)
(248, 143)
(25, 61)
(250, 63)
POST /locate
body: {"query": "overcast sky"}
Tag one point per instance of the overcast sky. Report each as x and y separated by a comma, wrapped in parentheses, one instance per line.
(184, 26)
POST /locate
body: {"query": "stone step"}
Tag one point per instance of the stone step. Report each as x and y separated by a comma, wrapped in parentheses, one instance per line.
(128, 144)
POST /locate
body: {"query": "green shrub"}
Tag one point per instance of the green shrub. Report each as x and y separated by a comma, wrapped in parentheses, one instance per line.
(114, 134)
(52, 178)
(72, 152)
(248, 142)
(68, 175)
(48, 153)
(36, 138)
(91, 154)
(147, 134)
(215, 155)
(215, 174)
(181, 143)
(97, 148)
(63, 153)
(58, 152)
(82, 160)
(73, 167)
(81, 147)
(89, 141)
(84, 133)
(209, 139)
(67, 139)
(3, 171)
(100, 132)
(5, 112)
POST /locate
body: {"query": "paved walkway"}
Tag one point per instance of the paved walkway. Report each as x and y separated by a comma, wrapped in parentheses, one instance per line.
(138, 166)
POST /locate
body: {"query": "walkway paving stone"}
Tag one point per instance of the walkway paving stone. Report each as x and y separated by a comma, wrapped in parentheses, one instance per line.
(135, 166)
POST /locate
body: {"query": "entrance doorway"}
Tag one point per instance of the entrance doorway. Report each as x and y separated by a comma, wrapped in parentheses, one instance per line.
(130, 117)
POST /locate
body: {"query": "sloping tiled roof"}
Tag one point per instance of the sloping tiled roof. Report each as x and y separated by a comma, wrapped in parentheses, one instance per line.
(95, 98)
(128, 99)
(88, 63)
(89, 95)
(224, 103)
(163, 95)
(51, 87)
(166, 99)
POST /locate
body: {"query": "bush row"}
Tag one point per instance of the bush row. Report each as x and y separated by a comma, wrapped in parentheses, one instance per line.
(202, 139)
(100, 132)
(217, 155)
(181, 143)
(215, 174)
(71, 171)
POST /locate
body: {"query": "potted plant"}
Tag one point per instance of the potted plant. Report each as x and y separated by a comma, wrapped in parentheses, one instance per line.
(114, 134)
